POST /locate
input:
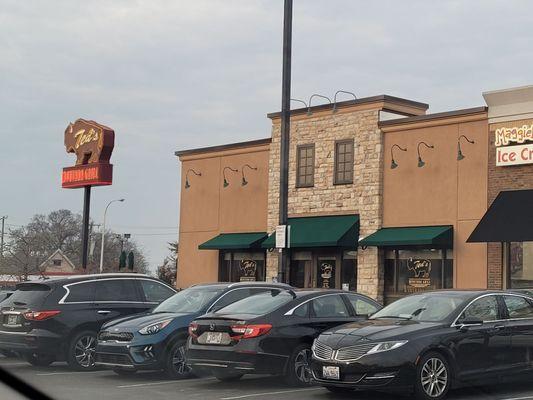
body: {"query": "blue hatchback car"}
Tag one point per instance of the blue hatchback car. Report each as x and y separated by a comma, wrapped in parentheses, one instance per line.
(157, 340)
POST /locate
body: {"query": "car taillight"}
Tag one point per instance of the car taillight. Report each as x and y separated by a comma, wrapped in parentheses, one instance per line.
(250, 331)
(193, 328)
(39, 315)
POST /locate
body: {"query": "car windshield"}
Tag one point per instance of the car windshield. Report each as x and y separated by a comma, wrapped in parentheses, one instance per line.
(423, 307)
(259, 304)
(190, 300)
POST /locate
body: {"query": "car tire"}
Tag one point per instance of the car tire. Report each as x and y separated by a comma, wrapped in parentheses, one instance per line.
(175, 362)
(225, 376)
(39, 360)
(124, 371)
(80, 353)
(298, 372)
(433, 377)
(339, 390)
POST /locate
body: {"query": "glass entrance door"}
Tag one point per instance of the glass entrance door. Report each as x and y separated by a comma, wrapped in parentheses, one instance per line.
(325, 272)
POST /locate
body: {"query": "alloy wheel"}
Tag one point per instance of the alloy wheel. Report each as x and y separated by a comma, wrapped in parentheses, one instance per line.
(301, 366)
(178, 360)
(434, 377)
(84, 351)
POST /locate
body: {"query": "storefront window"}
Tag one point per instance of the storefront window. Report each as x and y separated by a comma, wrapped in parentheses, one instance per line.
(300, 269)
(417, 270)
(242, 267)
(521, 265)
(349, 270)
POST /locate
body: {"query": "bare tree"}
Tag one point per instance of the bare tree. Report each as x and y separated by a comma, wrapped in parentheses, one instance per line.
(168, 270)
(28, 247)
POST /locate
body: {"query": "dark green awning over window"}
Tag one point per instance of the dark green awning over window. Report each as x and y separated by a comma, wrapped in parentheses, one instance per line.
(327, 231)
(410, 236)
(228, 241)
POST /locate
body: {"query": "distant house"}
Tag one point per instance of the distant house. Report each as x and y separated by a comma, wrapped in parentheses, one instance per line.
(58, 264)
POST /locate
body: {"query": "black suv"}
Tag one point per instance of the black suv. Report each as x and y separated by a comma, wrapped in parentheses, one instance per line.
(59, 318)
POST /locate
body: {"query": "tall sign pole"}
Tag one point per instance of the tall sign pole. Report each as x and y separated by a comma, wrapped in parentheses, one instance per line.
(283, 258)
(85, 228)
(93, 144)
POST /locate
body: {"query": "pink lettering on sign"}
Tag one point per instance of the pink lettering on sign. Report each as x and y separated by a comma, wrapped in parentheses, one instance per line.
(514, 155)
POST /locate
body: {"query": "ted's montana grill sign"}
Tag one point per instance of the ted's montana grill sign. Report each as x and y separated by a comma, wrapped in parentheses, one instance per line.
(92, 143)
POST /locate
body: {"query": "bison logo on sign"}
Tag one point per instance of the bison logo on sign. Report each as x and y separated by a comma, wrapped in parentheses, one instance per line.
(91, 142)
(421, 268)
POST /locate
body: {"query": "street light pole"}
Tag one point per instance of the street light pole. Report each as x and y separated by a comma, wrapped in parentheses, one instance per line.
(283, 259)
(2, 236)
(103, 234)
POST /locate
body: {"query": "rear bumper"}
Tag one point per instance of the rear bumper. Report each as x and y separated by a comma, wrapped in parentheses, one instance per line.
(209, 358)
(36, 340)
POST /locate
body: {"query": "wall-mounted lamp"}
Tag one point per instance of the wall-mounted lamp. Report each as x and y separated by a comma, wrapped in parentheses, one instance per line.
(335, 98)
(187, 184)
(300, 101)
(460, 155)
(420, 162)
(311, 98)
(244, 181)
(226, 183)
(393, 162)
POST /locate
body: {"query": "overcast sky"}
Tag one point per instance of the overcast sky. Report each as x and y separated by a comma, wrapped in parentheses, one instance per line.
(169, 75)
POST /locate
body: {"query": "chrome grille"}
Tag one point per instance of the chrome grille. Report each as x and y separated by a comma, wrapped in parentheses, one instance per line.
(353, 353)
(321, 351)
(118, 336)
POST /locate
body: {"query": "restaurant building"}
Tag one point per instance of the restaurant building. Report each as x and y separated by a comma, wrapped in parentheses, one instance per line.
(383, 199)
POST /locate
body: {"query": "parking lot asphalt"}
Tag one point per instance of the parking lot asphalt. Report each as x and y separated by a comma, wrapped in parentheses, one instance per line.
(62, 384)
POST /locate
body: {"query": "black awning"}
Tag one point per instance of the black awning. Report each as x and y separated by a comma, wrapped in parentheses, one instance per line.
(508, 219)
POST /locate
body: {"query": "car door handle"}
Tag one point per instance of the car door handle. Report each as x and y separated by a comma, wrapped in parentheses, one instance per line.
(103, 312)
(499, 327)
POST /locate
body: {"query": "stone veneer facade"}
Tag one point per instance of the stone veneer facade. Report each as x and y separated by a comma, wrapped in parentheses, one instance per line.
(362, 197)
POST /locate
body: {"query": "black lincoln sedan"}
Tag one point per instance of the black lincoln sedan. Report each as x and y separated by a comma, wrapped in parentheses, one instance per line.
(428, 343)
(156, 340)
(271, 333)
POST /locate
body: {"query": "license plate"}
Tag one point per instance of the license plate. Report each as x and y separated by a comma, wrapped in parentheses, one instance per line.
(214, 337)
(329, 372)
(12, 319)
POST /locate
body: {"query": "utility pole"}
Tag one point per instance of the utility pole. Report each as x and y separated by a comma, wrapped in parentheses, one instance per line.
(283, 258)
(2, 236)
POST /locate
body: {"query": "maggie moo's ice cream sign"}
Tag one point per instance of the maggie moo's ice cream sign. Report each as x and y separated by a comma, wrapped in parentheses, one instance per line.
(506, 154)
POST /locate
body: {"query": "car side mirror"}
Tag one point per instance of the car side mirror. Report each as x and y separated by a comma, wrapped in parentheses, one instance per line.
(468, 322)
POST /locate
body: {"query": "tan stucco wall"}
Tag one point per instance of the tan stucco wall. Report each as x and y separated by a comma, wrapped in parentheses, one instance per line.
(445, 191)
(208, 209)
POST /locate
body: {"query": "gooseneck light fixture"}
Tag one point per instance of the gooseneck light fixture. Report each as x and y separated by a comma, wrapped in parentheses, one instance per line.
(335, 98)
(300, 101)
(460, 155)
(226, 183)
(244, 181)
(393, 163)
(311, 99)
(187, 183)
(421, 163)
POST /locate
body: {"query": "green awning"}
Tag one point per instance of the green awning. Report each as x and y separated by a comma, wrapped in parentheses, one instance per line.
(409, 236)
(228, 241)
(330, 231)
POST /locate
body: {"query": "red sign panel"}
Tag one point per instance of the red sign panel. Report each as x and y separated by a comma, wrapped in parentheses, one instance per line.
(87, 175)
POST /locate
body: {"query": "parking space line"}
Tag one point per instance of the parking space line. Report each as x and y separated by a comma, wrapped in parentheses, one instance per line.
(518, 398)
(68, 373)
(162, 382)
(244, 396)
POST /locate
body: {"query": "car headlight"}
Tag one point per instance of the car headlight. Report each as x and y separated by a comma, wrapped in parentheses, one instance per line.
(154, 328)
(386, 346)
